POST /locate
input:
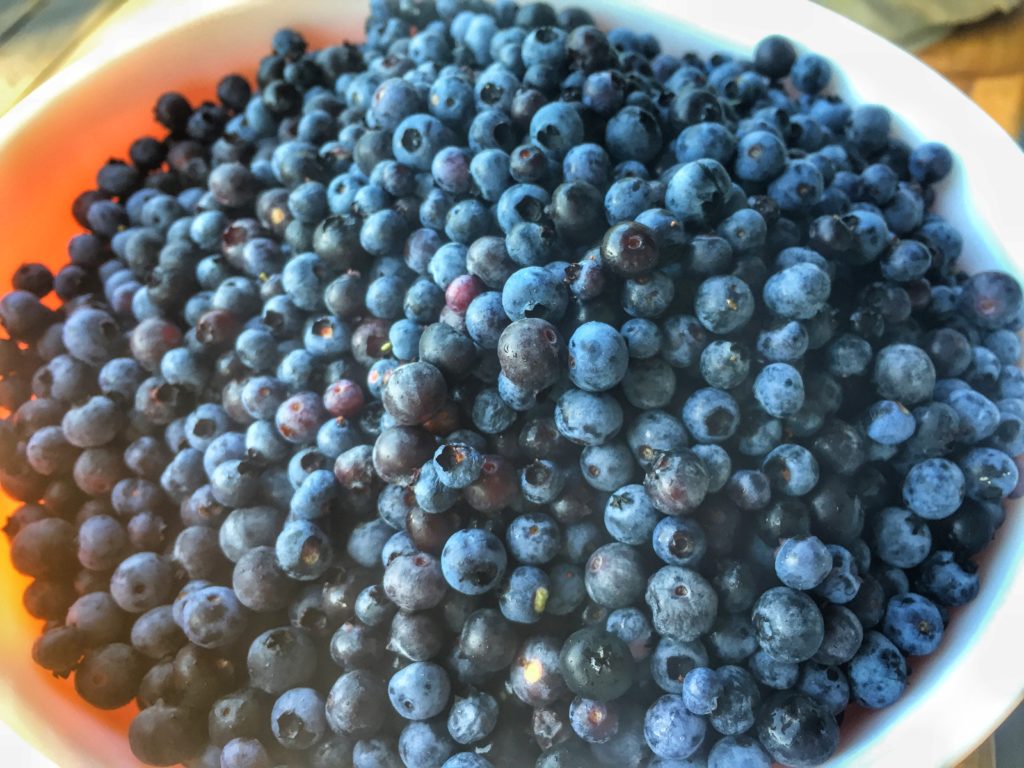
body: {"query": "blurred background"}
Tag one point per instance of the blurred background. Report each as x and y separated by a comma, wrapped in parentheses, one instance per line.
(977, 44)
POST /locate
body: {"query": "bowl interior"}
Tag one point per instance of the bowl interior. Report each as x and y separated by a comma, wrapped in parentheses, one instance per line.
(52, 144)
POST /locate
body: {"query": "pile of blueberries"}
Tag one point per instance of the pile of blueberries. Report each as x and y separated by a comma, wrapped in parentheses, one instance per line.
(504, 392)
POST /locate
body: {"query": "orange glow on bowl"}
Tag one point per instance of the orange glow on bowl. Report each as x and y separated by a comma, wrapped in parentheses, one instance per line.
(50, 149)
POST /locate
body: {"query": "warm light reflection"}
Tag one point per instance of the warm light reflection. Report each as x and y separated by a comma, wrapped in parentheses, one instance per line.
(533, 671)
(540, 600)
(98, 118)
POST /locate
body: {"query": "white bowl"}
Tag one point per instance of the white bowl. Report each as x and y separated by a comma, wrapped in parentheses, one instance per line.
(52, 143)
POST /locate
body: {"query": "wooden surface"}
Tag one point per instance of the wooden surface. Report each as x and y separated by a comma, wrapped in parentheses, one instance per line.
(986, 61)
(38, 37)
(983, 757)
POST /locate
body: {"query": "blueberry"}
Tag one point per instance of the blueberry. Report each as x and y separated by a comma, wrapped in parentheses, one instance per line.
(810, 73)
(534, 292)
(108, 677)
(485, 319)
(1005, 345)
(947, 581)
(684, 338)
(643, 337)
(595, 722)
(791, 469)
(567, 588)
(697, 192)
(724, 364)
(491, 412)
(739, 751)
(989, 474)
(843, 581)
(414, 582)
(213, 617)
(488, 171)
(90, 335)
(48, 450)
(913, 623)
(779, 389)
(586, 418)
(299, 417)
(679, 541)
(467, 760)
(901, 538)
(556, 128)
(419, 691)
(825, 684)
(760, 156)
(486, 640)
(240, 752)
(802, 563)
(695, 105)
(598, 357)
(774, 56)
(303, 550)
(614, 576)
(723, 304)
(471, 719)
(869, 128)
(165, 734)
(711, 415)
(473, 561)
(414, 393)
(142, 581)
(628, 249)
(535, 675)
(677, 482)
(297, 718)
(541, 482)
(797, 730)
(588, 162)
(633, 133)
(788, 625)
(608, 466)
(934, 488)
(533, 539)
(374, 752)
(889, 423)
(417, 138)
(878, 673)
(633, 627)
(523, 595)
(671, 731)
(424, 743)
(683, 603)
(745, 230)
(649, 384)
(705, 140)
(772, 673)
(701, 689)
(979, 416)
(797, 292)
(101, 542)
(629, 515)
(798, 188)
(356, 703)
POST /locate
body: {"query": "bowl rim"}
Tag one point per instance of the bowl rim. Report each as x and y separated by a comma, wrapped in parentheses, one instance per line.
(945, 715)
